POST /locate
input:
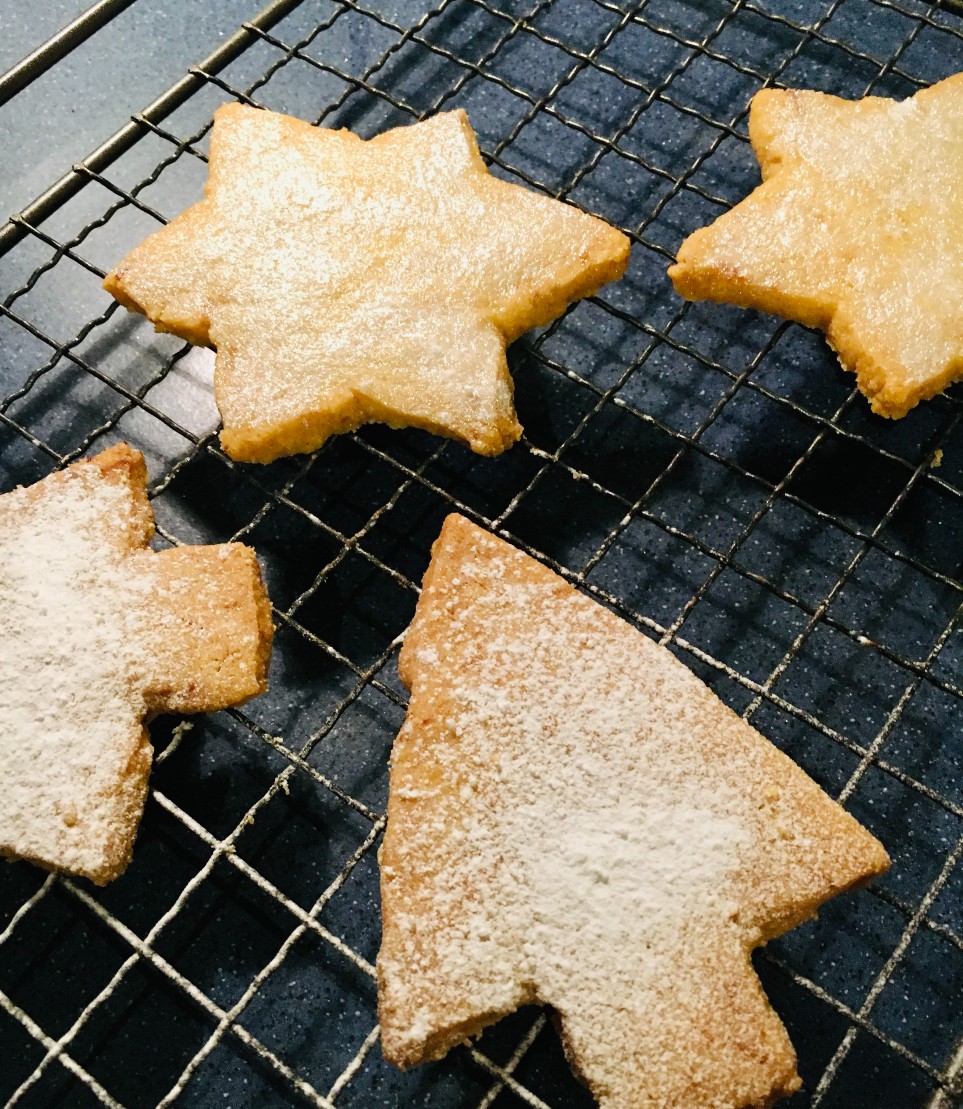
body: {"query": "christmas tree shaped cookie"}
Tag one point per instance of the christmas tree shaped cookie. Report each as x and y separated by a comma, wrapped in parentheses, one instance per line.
(575, 819)
(99, 632)
(857, 229)
(345, 281)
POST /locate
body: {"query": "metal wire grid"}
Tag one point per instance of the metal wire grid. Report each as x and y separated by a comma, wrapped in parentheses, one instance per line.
(367, 506)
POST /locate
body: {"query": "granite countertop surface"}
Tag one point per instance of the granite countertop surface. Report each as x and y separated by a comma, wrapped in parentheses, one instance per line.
(75, 105)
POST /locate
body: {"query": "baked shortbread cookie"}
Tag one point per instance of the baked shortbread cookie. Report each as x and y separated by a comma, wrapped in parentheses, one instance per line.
(99, 632)
(856, 229)
(345, 281)
(575, 819)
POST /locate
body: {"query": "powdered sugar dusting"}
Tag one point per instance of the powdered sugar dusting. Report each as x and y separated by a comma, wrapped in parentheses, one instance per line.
(70, 623)
(576, 819)
(615, 873)
(603, 845)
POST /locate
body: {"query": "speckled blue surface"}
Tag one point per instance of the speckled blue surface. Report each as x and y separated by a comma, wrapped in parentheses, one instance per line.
(731, 537)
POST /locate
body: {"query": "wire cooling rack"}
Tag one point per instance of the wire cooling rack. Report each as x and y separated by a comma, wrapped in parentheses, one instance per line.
(707, 472)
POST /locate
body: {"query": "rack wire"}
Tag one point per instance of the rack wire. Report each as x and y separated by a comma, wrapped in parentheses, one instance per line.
(708, 473)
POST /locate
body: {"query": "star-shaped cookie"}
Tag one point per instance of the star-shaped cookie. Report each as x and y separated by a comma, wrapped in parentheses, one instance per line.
(856, 229)
(98, 632)
(345, 281)
(575, 819)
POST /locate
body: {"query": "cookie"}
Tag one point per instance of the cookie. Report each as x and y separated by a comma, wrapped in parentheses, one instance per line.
(575, 819)
(344, 281)
(100, 632)
(857, 229)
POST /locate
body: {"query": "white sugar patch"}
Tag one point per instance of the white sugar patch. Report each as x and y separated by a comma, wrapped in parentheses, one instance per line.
(630, 872)
(70, 617)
